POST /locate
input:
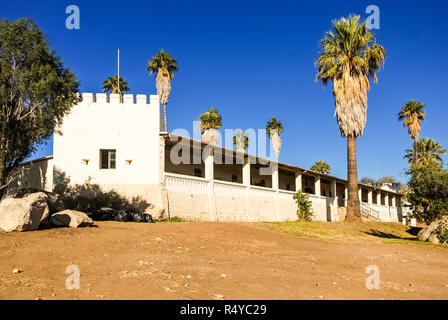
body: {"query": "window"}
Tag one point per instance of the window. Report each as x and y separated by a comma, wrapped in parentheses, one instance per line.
(108, 159)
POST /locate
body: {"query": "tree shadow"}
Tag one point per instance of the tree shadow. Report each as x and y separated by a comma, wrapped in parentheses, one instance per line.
(90, 198)
(386, 235)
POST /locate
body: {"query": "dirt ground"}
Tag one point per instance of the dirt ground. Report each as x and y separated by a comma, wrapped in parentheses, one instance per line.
(198, 260)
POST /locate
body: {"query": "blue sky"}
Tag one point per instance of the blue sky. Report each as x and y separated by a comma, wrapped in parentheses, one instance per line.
(255, 59)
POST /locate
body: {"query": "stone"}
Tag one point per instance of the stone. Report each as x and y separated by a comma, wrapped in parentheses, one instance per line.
(23, 214)
(55, 202)
(17, 271)
(430, 233)
(434, 238)
(425, 233)
(71, 218)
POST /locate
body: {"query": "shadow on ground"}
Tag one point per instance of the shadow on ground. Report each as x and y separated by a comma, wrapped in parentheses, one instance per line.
(387, 235)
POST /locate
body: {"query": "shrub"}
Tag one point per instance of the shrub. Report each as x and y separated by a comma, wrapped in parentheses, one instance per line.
(304, 209)
(442, 231)
(428, 192)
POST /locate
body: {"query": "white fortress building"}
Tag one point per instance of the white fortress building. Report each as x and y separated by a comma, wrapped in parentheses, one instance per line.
(119, 146)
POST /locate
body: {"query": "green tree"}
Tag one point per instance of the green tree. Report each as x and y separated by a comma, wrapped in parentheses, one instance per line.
(164, 66)
(387, 179)
(36, 91)
(428, 192)
(321, 167)
(304, 206)
(349, 58)
(427, 151)
(111, 85)
(210, 122)
(367, 180)
(412, 115)
(273, 129)
(241, 140)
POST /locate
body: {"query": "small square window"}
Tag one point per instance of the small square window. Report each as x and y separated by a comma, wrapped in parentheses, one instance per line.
(108, 159)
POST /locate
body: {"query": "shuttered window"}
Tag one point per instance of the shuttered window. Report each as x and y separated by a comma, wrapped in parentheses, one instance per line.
(108, 159)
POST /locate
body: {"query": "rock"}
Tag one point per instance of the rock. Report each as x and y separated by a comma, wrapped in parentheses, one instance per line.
(71, 218)
(223, 275)
(55, 202)
(434, 238)
(430, 233)
(155, 212)
(138, 217)
(17, 271)
(122, 216)
(148, 218)
(218, 297)
(425, 233)
(23, 214)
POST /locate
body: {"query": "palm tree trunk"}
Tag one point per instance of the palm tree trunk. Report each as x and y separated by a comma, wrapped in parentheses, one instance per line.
(353, 204)
(415, 149)
(164, 117)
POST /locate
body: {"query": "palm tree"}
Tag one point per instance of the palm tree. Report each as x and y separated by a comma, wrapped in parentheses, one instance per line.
(412, 116)
(273, 129)
(349, 58)
(111, 85)
(210, 122)
(163, 65)
(241, 140)
(425, 152)
(321, 167)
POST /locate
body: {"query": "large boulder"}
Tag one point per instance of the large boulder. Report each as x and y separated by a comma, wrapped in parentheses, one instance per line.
(70, 218)
(23, 214)
(430, 233)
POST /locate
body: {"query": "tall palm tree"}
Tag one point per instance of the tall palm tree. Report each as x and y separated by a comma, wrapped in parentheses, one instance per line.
(321, 167)
(273, 129)
(163, 65)
(412, 115)
(425, 152)
(211, 121)
(241, 140)
(349, 58)
(111, 85)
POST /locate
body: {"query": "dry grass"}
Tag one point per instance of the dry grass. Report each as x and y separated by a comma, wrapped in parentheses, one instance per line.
(342, 231)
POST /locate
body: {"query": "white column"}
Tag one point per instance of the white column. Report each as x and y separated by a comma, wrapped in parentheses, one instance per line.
(386, 200)
(317, 185)
(298, 181)
(360, 194)
(378, 198)
(370, 197)
(246, 172)
(275, 176)
(346, 194)
(209, 165)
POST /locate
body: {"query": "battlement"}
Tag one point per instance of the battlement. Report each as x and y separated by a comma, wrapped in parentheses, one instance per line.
(90, 98)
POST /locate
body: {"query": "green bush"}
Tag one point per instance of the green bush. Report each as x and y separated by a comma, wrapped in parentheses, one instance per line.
(442, 231)
(428, 192)
(304, 209)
